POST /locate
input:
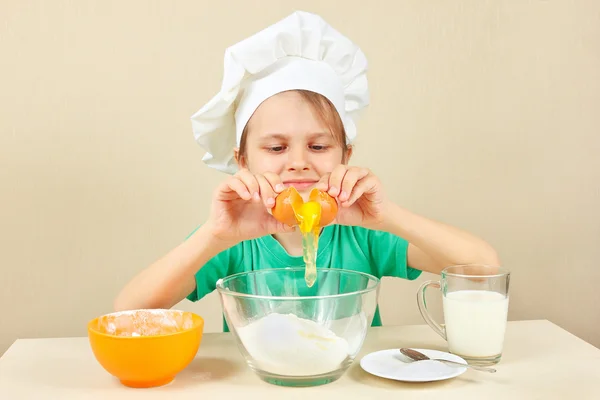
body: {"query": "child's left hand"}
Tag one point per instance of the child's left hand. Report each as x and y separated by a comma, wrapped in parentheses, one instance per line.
(359, 195)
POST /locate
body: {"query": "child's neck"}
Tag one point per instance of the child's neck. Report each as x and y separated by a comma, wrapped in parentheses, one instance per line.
(291, 242)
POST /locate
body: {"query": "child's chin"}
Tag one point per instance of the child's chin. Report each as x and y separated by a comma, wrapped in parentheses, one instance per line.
(305, 193)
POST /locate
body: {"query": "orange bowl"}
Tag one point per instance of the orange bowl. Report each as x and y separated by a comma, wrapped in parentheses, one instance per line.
(145, 348)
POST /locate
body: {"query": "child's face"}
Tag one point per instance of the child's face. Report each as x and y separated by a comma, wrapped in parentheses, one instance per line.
(285, 137)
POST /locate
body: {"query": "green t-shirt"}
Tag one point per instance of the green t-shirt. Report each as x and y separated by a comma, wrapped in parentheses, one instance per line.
(346, 247)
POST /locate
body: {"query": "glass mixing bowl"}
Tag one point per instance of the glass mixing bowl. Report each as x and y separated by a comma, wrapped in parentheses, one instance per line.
(293, 335)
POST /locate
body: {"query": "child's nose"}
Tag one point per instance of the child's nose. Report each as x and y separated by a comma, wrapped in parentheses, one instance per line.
(298, 160)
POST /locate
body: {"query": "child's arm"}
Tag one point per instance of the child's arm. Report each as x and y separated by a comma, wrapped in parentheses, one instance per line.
(236, 215)
(433, 245)
(170, 279)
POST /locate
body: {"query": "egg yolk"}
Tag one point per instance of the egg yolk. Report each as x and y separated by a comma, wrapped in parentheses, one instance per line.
(308, 215)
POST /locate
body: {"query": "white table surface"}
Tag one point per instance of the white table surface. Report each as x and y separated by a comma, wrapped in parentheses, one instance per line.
(541, 361)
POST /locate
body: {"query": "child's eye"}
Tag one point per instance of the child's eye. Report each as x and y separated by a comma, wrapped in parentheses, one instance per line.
(276, 149)
(318, 147)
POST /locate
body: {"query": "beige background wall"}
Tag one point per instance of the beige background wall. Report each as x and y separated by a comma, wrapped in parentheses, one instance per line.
(485, 115)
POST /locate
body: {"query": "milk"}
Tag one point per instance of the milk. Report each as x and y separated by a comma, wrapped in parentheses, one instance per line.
(475, 322)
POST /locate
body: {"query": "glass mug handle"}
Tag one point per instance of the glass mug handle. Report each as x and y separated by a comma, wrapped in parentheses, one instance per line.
(423, 308)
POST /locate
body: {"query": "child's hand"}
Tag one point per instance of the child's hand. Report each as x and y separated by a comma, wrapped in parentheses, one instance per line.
(358, 193)
(241, 204)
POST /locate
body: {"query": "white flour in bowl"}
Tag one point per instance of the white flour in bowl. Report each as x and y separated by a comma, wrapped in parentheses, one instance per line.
(284, 344)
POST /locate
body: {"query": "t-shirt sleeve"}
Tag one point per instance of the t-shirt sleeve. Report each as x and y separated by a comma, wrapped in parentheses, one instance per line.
(216, 268)
(389, 255)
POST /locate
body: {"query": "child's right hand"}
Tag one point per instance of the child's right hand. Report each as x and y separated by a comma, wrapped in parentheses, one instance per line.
(241, 205)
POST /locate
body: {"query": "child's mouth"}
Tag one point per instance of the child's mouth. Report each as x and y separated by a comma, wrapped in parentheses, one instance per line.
(300, 185)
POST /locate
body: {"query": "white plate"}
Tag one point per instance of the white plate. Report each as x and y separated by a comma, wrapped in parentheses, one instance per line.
(392, 364)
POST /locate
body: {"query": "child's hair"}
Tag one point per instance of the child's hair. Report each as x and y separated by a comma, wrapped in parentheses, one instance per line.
(325, 111)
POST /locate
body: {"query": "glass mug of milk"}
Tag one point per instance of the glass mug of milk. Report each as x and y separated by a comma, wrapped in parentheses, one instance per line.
(475, 304)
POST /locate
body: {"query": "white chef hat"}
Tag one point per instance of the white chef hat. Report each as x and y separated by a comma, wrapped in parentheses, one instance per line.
(300, 52)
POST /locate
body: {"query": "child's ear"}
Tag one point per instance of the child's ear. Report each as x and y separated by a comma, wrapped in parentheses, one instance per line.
(348, 154)
(241, 162)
